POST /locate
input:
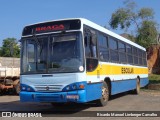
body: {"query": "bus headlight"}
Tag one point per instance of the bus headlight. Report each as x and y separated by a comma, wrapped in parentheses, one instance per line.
(74, 86)
(26, 88)
(23, 88)
(68, 88)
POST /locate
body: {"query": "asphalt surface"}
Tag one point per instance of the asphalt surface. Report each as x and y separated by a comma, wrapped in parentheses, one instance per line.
(145, 101)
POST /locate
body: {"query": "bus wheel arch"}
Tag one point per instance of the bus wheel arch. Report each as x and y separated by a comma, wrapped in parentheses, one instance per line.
(105, 93)
(137, 90)
(138, 77)
(107, 80)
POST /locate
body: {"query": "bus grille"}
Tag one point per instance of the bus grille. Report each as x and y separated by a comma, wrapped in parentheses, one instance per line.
(46, 98)
(48, 88)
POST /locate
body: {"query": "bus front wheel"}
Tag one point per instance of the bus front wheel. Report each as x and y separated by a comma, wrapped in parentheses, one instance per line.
(105, 95)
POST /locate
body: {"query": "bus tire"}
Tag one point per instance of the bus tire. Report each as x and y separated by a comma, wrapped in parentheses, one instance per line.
(137, 90)
(105, 95)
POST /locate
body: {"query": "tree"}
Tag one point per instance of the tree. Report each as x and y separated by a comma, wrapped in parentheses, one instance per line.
(10, 48)
(147, 34)
(141, 20)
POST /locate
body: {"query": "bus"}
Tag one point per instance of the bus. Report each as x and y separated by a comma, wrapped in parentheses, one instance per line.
(76, 60)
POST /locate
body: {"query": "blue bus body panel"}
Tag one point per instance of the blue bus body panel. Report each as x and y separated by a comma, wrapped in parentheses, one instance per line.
(94, 91)
(126, 85)
(144, 82)
(91, 92)
(52, 97)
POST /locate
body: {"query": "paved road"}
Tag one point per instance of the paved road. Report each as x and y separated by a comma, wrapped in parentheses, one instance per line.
(146, 101)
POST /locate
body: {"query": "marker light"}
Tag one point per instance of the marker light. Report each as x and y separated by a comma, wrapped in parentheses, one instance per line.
(81, 86)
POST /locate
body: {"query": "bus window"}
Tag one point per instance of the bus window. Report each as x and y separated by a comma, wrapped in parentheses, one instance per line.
(113, 45)
(140, 57)
(129, 54)
(122, 52)
(90, 42)
(90, 45)
(93, 45)
(144, 59)
(135, 54)
(31, 57)
(103, 47)
(87, 48)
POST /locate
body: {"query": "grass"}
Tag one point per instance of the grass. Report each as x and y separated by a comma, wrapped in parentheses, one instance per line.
(154, 79)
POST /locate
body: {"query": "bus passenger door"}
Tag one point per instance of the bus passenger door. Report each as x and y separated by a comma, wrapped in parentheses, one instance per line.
(92, 66)
(92, 69)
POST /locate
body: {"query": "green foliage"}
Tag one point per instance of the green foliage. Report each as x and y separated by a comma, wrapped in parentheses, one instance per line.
(10, 48)
(120, 17)
(128, 36)
(146, 13)
(153, 78)
(124, 17)
(145, 27)
(147, 34)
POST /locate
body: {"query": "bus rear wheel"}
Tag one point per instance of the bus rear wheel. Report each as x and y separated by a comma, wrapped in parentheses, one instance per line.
(137, 90)
(105, 95)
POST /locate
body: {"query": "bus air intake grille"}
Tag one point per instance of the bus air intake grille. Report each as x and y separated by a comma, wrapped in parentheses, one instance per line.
(48, 88)
(46, 98)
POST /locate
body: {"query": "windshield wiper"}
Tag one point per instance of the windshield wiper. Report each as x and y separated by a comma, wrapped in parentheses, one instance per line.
(37, 41)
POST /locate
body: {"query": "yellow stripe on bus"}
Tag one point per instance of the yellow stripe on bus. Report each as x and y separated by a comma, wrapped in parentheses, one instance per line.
(115, 70)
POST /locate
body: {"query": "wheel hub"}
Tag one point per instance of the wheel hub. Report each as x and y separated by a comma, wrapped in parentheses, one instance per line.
(104, 94)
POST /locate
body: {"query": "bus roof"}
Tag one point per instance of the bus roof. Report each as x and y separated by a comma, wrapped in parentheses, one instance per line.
(98, 27)
(104, 30)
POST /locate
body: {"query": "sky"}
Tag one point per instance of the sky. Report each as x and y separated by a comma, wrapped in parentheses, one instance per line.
(15, 14)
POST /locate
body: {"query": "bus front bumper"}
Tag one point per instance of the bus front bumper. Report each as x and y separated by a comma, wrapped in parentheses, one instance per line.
(78, 96)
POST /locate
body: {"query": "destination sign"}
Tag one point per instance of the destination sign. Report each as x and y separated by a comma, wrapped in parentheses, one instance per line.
(52, 26)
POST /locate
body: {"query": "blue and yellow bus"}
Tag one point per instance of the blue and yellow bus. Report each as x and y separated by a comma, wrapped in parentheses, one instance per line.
(76, 60)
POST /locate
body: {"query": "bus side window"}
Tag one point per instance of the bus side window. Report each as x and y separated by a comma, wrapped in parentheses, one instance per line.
(90, 42)
(87, 46)
(103, 47)
(90, 46)
(93, 46)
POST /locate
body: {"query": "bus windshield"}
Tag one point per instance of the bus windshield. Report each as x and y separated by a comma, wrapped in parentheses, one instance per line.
(52, 54)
